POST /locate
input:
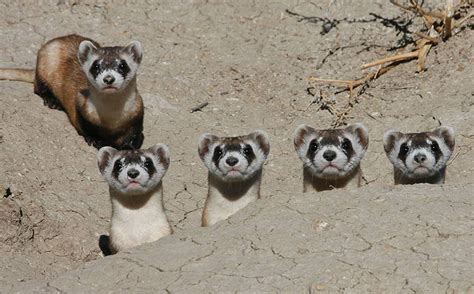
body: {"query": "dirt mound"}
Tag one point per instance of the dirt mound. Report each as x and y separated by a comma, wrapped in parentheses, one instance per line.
(373, 239)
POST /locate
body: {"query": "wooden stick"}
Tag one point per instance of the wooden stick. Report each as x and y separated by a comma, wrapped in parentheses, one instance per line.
(448, 18)
(199, 107)
(431, 39)
(397, 57)
(420, 65)
(315, 79)
(352, 84)
(461, 21)
(417, 9)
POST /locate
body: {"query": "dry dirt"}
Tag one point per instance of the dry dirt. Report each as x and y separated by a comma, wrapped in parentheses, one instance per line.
(251, 62)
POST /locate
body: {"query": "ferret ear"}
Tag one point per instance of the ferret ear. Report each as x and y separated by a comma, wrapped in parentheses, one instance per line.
(361, 132)
(162, 152)
(86, 49)
(389, 139)
(205, 141)
(104, 156)
(301, 132)
(135, 50)
(447, 133)
(262, 139)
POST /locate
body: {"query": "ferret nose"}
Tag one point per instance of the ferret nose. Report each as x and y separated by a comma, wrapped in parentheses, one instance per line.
(420, 158)
(231, 161)
(329, 155)
(133, 173)
(109, 80)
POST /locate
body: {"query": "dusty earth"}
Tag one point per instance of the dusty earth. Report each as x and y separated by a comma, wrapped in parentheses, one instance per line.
(251, 62)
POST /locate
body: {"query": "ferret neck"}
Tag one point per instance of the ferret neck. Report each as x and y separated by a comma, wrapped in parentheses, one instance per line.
(153, 200)
(235, 190)
(97, 96)
(323, 184)
(437, 178)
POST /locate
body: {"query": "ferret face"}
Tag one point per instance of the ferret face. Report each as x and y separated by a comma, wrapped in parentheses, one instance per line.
(331, 153)
(110, 69)
(234, 159)
(134, 172)
(419, 155)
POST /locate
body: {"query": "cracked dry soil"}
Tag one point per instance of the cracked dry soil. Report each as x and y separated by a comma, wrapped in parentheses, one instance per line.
(250, 61)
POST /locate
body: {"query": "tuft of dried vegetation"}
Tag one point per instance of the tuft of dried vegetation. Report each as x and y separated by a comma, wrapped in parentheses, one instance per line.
(439, 26)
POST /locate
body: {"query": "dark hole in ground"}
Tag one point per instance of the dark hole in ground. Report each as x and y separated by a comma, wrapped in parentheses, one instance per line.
(104, 242)
(8, 193)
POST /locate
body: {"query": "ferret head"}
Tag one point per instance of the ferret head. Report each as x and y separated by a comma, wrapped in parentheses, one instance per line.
(110, 69)
(419, 155)
(234, 159)
(134, 172)
(333, 153)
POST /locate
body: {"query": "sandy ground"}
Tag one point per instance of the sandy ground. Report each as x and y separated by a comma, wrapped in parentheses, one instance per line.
(251, 62)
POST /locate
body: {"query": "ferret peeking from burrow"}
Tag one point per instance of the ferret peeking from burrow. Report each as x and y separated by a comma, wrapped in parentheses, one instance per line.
(419, 157)
(331, 157)
(96, 87)
(235, 167)
(136, 193)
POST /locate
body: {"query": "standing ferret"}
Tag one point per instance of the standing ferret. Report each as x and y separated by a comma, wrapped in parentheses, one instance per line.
(94, 85)
(235, 167)
(419, 157)
(136, 193)
(331, 158)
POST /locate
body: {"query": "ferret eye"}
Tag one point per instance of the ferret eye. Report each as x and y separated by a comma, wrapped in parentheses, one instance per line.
(313, 145)
(118, 165)
(346, 144)
(218, 152)
(248, 150)
(404, 149)
(434, 146)
(123, 67)
(148, 163)
(95, 68)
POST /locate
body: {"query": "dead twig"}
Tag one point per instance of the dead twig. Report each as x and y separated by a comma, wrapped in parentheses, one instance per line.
(431, 39)
(438, 23)
(416, 8)
(199, 107)
(447, 32)
(397, 57)
(352, 84)
(423, 51)
(462, 20)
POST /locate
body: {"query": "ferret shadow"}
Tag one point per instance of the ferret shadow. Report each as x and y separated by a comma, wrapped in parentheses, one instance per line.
(104, 245)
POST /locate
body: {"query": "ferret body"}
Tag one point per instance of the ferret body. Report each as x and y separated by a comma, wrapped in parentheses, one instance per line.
(235, 173)
(95, 86)
(331, 158)
(419, 157)
(136, 195)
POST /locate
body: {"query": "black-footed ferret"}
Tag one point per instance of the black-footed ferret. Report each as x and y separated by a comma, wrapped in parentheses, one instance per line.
(235, 172)
(331, 158)
(419, 157)
(136, 193)
(95, 86)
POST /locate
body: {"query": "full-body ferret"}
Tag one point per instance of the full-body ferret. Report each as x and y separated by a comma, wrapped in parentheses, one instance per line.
(96, 87)
(235, 167)
(136, 193)
(331, 158)
(419, 157)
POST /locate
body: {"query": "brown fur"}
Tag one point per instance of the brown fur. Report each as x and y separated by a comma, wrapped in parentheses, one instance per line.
(62, 84)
